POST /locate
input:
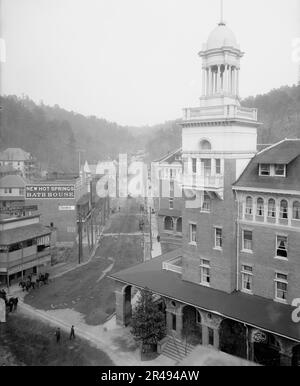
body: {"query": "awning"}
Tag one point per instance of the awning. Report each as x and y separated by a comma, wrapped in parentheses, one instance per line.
(252, 310)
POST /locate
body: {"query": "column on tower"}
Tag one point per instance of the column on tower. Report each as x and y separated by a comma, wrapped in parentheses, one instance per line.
(217, 80)
(221, 79)
(203, 81)
(207, 81)
(234, 80)
(237, 81)
(231, 79)
(225, 79)
(212, 81)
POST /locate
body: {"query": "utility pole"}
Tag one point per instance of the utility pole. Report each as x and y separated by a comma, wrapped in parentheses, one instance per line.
(150, 229)
(92, 210)
(79, 238)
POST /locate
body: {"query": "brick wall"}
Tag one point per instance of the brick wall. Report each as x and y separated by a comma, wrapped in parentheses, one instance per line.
(223, 214)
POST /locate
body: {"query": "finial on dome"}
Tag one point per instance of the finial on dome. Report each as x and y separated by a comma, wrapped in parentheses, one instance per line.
(222, 22)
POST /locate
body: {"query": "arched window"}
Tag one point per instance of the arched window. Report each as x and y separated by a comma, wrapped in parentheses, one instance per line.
(272, 208)
(296, 210)
(179, 225)
(249, 205)
(169, 224)
(198, 317)
(284, 209)
(205, 145)
(260, 207)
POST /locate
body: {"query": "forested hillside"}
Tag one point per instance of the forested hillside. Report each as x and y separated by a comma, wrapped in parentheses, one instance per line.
(54, 135)
(278, 111)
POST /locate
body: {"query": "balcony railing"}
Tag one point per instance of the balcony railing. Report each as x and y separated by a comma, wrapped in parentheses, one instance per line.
(174, 265)
(205, 182)
(220, 112)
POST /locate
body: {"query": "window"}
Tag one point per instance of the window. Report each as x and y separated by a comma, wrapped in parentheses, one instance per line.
(169, 224)
(265, 170)
(205, 145)
(206, 205)
(281, 286)
(205, 272)
(21, 191)
(279, 170)
(198, 317)
(272, 208)
(218, 166)
(249, 205)
(193, 233)
(210, 336)
(218, 238)
(296, 210)
(194, 165)
(171, 203)
(206, 167)
(281, 246)
(247, 241)
(171, 173)
(172, 189)
(260, 207)
(284, 209)
(174, 322)
(179, 225)
(247, 278)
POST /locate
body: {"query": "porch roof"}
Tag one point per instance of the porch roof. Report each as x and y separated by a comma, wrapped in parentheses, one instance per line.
(252, 310)
(28, 232)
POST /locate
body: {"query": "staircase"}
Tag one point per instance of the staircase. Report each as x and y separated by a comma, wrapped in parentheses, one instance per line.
(176, 349)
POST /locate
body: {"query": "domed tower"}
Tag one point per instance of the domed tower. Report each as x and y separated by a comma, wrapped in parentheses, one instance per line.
(219, 138)
(221, 66)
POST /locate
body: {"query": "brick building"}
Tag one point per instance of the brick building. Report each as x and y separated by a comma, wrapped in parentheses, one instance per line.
(231, 284)
(268, 195)
(168, 198)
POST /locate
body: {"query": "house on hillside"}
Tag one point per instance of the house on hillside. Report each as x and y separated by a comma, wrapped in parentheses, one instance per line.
(19, 160)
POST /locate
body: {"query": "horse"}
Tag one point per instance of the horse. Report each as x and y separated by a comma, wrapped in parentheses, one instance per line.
(43, 278)
(12, 304)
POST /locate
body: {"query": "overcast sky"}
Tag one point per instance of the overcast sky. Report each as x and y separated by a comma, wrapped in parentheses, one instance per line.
(135, 62)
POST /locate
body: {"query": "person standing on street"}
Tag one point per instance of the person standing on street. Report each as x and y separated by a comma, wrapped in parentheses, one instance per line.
(72, 333)
(57, 334)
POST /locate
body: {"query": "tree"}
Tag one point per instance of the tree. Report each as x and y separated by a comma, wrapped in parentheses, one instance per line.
(148, 322)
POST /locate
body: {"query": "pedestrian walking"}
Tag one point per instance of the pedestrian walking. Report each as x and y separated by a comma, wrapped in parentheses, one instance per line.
(11, 305)
(57, 335)
(16, 304)
(72, 333)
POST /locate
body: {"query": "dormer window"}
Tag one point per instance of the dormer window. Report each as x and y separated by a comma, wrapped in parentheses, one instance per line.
(279, 170)
(276, 170)
(265, 170)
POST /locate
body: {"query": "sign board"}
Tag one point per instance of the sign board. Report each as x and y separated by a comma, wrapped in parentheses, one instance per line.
(66, 207)
(50, 191)
(2, 311)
